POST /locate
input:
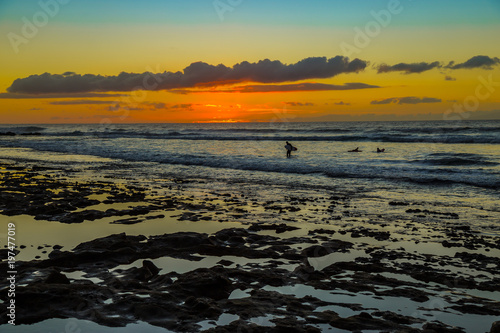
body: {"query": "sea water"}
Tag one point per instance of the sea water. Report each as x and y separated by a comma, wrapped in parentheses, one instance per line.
(453, 162)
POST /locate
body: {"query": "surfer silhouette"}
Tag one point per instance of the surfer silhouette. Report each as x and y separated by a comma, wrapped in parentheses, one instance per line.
(355, 150)
(289, 149)
(380, 150)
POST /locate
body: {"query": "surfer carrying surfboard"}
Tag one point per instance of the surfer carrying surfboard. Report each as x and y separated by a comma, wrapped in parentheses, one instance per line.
(289, 148)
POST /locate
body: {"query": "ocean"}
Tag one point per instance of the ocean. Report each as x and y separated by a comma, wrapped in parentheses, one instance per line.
(456, 163)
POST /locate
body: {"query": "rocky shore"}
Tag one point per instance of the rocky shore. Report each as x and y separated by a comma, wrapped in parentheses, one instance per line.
(393, 274)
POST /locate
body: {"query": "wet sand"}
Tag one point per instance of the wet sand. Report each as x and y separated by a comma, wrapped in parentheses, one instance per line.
(118, 255)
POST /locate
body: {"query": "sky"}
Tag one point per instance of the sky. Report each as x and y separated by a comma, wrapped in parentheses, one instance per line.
(123, 61)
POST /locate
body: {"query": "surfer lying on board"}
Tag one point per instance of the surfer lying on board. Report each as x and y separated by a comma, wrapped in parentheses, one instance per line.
(380, 150)
(355, 150)
(289, 148)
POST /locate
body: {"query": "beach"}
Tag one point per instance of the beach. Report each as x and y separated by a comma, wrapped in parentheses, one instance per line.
(107, 243)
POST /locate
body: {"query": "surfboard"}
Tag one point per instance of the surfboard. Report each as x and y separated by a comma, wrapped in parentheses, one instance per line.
(294, 148)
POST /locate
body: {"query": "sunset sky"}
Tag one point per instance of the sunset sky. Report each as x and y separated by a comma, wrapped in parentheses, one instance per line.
(74, 61)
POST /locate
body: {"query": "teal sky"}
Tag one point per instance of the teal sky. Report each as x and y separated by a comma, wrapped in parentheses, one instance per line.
(262, 12)
(404, 62)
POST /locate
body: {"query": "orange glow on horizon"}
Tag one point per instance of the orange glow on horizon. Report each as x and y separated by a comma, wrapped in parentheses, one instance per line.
(221, 121)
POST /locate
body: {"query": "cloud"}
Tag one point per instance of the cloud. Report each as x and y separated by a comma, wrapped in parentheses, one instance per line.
(118, 107)
(342, 103)
(385, 101)
(149, 106)
(298, 104)
(97, 116)
(81, 101)
(480, 61)
(163, 106)
(282, 88)
(115, 107)
(198, 74)
(449, 78)
(155, 105)
(408, 68)
(303, 87)
(407, 100)
(58, 95)
(418, 100)
(180, 106)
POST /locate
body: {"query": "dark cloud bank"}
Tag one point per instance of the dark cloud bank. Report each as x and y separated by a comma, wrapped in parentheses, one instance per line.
(306, 86)
(298, 104)
(408, 68)
(198, 74)
(480, 61)
(407, 100)
(203, 75)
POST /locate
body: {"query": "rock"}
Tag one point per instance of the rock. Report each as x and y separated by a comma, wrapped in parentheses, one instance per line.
(321, 231)
(306, 272)
(495, 327)
(327, 248)
(179, 241)
(445, 243)
(398, 203)
(396, 318)
(224, 262)
(204, 282)
(290, 324)
(148, 270)
(239, 326)
(462, 227)
(204, 306)
(475, 309)
(363, 321)
(128, 221)
(365, 315)
(113, 242)
(353, 266)
(57, 278)
(226, 234)
(364, 232)
(441, 328)
(150, 312)
(279, 228)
